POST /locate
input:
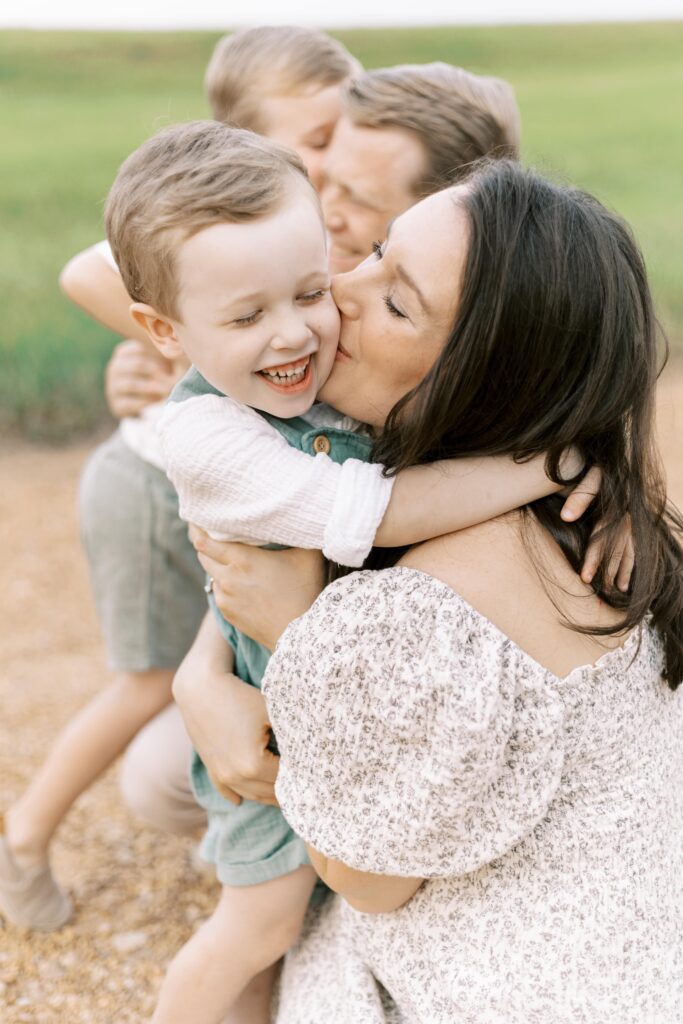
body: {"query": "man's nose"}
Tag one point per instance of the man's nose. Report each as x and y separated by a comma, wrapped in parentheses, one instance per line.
(332, 213)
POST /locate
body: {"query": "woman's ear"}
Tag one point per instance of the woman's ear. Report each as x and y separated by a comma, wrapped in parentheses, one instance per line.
(159, 328)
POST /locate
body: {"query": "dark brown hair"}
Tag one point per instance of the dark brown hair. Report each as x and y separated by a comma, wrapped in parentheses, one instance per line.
(555, 344)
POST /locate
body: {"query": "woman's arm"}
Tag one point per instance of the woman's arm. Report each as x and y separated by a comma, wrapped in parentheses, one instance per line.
(363, 890)
(226, 719)
(260, 592)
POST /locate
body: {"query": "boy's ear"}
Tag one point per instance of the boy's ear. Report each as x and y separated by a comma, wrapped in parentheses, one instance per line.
(159, 328)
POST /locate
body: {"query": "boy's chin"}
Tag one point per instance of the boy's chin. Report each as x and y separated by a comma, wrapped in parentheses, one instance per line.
(284, 406)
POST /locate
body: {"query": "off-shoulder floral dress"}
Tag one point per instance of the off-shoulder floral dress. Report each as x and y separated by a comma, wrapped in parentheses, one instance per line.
(546, 815)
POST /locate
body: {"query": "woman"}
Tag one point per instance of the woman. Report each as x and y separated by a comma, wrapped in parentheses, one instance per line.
(481, 751)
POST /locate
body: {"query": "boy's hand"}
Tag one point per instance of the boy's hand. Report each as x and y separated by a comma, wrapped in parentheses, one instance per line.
(582, 497)
(135, 377)
(623, 558)
(621, 563)
(260, 592)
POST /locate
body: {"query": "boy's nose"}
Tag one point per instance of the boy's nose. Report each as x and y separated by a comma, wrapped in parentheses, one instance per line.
(291, 333)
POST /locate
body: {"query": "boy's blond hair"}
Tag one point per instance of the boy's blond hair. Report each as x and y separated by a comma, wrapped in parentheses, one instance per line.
(183, 179)
(272, 60)
(458, 117)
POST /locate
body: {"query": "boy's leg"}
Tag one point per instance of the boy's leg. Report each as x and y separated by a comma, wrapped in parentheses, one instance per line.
(155, 779)
(148, 589)
(250, 930)
(29, 895)
(87, 745)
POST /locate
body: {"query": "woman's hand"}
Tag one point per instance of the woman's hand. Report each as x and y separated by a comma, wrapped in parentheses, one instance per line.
(226, 720)
(135, 377)
(260, 592)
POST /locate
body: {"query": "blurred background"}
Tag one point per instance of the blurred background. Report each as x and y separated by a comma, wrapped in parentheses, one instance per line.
(601, 107)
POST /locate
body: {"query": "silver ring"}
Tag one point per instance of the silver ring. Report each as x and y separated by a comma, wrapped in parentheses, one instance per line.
(208, 586)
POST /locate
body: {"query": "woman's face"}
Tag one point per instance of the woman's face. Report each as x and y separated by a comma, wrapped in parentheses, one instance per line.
(397, 309)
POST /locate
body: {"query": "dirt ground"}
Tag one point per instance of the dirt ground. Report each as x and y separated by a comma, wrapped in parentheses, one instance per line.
(136, 893)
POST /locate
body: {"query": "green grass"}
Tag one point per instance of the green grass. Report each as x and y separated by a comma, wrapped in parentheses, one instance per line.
(598, 106)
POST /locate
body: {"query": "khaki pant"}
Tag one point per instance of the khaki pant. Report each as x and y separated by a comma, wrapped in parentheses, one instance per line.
(155, 779)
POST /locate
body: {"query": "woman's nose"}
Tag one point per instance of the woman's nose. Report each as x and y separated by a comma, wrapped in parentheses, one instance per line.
(345, 293)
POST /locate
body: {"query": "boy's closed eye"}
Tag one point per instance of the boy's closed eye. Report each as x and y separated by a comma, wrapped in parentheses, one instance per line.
(314, 296)
(250, 318)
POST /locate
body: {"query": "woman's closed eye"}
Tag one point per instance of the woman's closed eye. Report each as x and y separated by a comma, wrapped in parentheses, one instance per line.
(394, 310)
(388, 301)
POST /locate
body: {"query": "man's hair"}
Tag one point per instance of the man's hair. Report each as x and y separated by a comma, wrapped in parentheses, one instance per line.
(271, 60)
(184, 179)
(457, 116)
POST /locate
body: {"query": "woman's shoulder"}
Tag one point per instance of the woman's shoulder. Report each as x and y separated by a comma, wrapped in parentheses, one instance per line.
(514, 574)
(401, 596)
(394, 622)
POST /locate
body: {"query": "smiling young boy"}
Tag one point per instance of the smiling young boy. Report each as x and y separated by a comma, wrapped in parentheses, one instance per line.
(148, 586)
(220, 242)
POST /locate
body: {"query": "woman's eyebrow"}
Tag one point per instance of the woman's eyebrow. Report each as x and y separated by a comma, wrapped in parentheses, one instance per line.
(405, 276)
(407, 279)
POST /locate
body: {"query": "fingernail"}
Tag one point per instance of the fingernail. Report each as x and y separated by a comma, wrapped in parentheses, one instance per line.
(568, 515)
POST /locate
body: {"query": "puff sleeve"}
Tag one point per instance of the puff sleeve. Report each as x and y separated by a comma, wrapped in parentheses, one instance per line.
(415, 738)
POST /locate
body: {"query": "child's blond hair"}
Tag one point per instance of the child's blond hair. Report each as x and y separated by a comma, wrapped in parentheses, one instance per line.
(458, 117)
(183, 179)
(272, 60)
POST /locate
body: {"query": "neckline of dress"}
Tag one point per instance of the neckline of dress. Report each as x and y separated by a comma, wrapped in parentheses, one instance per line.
(615, 654)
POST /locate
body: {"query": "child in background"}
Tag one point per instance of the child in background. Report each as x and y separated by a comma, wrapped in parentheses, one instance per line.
(220, 241)
(147, 583)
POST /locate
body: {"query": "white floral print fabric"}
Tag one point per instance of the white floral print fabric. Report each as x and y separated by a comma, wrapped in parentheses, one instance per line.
(546, 815)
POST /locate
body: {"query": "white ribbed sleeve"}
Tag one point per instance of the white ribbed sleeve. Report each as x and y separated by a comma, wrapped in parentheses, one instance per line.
(239, 479)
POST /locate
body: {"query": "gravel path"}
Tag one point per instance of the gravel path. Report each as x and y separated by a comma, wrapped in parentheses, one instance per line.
(137, 896)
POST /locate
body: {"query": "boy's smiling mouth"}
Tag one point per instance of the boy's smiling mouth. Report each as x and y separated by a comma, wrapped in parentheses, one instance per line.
(289, 376)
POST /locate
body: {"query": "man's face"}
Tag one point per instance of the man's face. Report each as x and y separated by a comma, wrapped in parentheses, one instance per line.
(369, 178)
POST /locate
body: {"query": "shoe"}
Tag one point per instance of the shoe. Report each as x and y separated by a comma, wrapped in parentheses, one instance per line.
(30, 897)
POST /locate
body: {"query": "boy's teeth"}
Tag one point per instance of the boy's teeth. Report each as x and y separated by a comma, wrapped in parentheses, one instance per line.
(290, 376)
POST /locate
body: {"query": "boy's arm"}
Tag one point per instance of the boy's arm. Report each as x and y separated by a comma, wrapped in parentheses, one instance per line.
(89, 280)
(136, 374)
(428, 501)
(239, 479)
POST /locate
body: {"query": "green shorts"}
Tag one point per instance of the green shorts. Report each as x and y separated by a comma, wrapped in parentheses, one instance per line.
(147, 583)
(249, 843)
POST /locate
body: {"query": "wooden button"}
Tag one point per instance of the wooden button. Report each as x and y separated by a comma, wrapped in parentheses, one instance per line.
(321, 444)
